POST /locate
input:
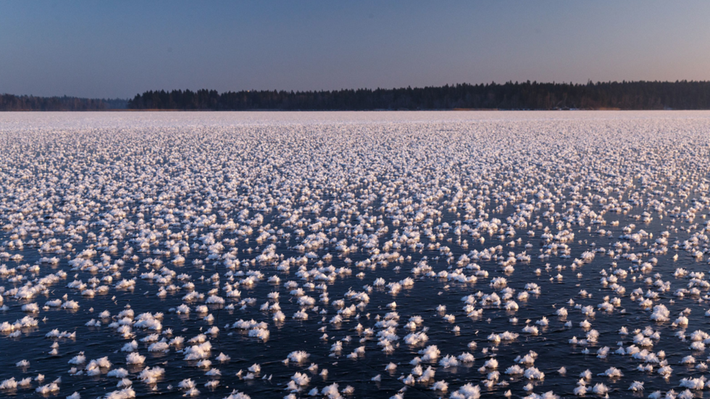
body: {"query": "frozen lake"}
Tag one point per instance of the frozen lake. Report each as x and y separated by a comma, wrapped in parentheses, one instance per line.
(362, 255)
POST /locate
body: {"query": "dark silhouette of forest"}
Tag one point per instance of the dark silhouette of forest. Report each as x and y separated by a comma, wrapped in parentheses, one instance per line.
(9, 102)
(515, 96)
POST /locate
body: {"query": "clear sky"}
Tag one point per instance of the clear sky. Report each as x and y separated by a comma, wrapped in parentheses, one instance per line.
(120, 48)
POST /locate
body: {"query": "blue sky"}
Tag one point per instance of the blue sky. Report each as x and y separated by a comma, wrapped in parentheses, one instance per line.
(117, 49)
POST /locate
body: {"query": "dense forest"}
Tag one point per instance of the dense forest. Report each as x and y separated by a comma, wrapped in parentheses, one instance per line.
(526, 95)
(9, 102)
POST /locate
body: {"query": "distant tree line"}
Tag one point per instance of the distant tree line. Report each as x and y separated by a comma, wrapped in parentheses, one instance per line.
(526, 95)
(9, 102)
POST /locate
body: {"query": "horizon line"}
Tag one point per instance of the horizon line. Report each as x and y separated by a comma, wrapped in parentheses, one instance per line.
(409, 87)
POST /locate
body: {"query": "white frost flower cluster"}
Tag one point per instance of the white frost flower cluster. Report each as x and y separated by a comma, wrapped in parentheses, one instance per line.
(352, 239)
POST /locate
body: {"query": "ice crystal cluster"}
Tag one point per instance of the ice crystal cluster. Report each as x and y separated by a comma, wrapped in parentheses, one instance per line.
(449, 254)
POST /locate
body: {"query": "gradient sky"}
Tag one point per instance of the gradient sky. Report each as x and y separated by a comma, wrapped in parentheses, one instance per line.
(117, 49)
